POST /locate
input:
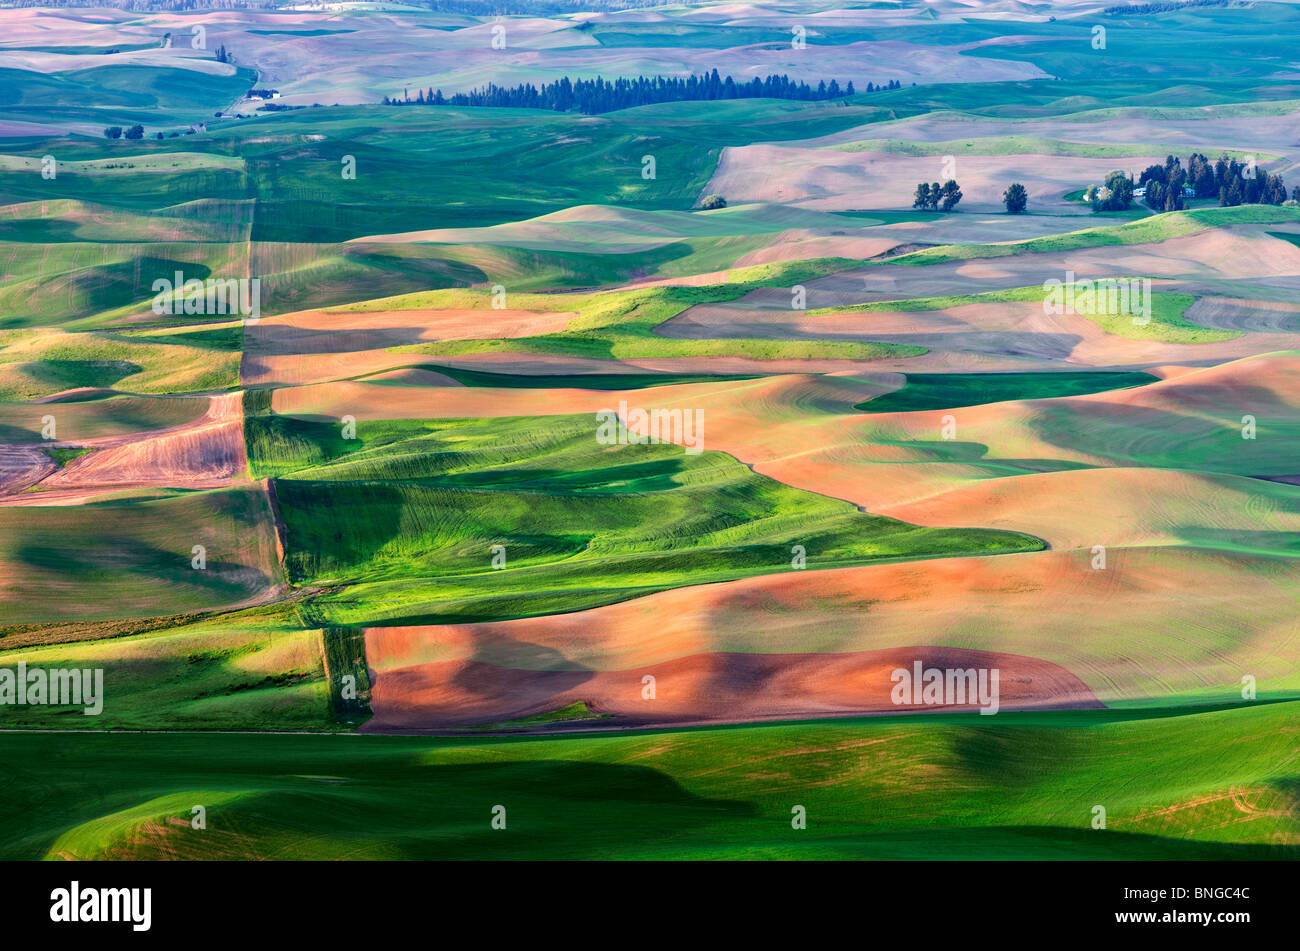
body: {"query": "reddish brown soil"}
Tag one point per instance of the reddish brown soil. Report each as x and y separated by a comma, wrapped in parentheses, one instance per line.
(700, 688)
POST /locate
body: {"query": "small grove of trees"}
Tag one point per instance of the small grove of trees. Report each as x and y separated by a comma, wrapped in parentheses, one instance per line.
(1115, 195)
(713, 201)
(936, 197)
(113, 132)
(1016, 199)
(222, 55)
(135, 132)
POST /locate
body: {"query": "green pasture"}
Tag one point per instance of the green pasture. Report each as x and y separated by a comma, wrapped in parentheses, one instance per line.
(400, 523)
(253, 670)
(119, 559)
(1014, 786)
(927, 391)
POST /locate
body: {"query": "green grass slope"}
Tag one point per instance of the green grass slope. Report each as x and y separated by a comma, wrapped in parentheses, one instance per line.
(134, 558)
(924, 391)
(402, 520)
(253, 671)
(1207, 785)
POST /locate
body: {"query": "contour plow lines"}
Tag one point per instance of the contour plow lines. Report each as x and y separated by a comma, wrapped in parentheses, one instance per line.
(1119, 507)
(1191, 421)
(364, 399)
(1203, 130)
(1241, 254)
(698, 689)
(833, 180)
(203, 454)
(319, 346)
(1254, 316)
(1188, 509)
(146, 557)
(23, 466)
(805, 432)
(1153, 626)
(322, 493)
(1017, 332)
(774, 417)
(1225, 814)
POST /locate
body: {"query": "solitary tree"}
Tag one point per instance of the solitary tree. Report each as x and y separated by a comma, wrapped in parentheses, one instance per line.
(922, 198)
(1016, 199)
(113, 132)
(951, 195)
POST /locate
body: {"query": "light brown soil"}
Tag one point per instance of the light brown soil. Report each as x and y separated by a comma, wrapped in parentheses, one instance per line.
(1153, 622)
(316, 346)
(206, 453)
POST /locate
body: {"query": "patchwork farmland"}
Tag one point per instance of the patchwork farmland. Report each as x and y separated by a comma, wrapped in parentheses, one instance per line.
(621, 462)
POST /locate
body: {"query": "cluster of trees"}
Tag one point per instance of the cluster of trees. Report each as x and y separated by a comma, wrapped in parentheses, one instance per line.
(1232, 182)
(137, 132)
(1142, 9)
(1165, 183)
(222, 55)
(1170, 186)
(937, 197)
(1238, 187)
(1115, 194)
(592, 96)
